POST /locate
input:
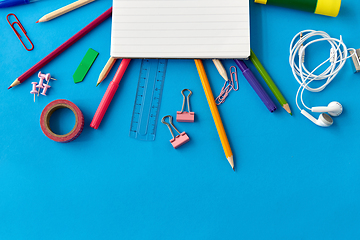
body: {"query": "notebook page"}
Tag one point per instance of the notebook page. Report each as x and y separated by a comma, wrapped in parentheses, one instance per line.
(180, 29)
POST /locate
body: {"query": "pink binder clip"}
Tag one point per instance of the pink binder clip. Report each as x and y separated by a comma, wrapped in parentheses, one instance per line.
(184, 116)
(180, 139)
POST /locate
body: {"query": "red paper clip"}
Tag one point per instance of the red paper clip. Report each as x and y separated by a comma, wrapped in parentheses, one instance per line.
(22, 29)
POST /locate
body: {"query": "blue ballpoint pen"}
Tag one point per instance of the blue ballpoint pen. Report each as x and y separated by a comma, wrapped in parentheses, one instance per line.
(10, 3)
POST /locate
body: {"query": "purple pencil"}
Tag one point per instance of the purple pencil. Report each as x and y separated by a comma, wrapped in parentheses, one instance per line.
(256, 85)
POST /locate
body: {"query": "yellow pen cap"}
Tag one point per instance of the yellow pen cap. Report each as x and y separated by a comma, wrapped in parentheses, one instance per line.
(261, 1)
(328, 7)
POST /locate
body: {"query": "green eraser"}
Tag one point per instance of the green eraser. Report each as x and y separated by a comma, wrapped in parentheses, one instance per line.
(85, 65)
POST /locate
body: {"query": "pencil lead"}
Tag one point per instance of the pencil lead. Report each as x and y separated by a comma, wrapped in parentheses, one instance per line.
(9, 87)
(97, 84)
(37, 21)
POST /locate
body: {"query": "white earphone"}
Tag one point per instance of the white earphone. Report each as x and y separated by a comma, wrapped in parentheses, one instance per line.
(324, 120)
(334, 109)
(337, 59)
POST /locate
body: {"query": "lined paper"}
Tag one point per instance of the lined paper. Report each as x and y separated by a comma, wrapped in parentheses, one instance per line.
(180, 29)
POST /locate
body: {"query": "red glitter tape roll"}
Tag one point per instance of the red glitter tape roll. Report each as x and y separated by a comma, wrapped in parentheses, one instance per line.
(50, 109)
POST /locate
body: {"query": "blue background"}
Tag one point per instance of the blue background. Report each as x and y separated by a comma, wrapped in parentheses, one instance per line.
(293, 179)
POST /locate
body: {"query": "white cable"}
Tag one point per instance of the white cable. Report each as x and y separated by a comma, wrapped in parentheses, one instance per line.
(336, 60)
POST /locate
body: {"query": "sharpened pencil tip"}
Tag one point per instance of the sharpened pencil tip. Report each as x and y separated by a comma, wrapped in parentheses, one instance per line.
(37, 21)
(9, 87)
(287, 108)
(97, 84)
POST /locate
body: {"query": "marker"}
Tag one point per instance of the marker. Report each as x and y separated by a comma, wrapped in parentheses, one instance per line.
(109, 94)
(10, 3)
(256, 85)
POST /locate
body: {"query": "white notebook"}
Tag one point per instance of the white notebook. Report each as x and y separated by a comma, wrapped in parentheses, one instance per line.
(180, 29)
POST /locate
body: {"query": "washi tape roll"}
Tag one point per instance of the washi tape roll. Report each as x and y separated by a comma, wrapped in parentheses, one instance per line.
(50, 109)
(324, 7)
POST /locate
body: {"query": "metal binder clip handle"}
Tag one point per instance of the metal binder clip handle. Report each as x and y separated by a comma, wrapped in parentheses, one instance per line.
(178, 140)
(184, 116)
(356, 60)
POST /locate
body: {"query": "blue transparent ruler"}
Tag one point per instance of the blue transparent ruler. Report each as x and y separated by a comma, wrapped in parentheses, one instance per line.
(148, 99)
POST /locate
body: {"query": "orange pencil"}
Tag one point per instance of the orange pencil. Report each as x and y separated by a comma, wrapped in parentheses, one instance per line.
(215, 113)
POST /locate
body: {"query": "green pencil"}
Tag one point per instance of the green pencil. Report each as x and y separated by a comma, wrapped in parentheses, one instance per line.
(269, 81)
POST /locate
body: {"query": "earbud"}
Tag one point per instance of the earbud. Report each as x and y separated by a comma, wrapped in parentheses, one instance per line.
(334, 109)
(323, 121)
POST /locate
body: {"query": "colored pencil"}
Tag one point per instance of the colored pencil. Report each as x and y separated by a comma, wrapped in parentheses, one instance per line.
(62, 48)
(215, 112)
(63, 10)
(110, 63)
(220, 69)
(274, 89)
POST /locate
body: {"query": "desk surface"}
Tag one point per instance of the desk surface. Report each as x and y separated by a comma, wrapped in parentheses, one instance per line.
(293, 179)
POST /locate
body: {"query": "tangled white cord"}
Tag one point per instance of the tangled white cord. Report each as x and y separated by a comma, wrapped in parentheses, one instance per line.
(337, 59)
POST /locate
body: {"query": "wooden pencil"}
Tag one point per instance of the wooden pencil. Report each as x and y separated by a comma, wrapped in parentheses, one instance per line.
(220, 69)
(110, 63)
(63, 10)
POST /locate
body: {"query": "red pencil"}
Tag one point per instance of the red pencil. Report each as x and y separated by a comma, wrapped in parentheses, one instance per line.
(109, 94)
(62, 48)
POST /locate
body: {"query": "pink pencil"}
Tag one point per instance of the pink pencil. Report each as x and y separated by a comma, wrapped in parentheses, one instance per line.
(62, 48)
(109, 94)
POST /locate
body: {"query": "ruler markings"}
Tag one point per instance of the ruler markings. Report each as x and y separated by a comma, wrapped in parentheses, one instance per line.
(148, 99)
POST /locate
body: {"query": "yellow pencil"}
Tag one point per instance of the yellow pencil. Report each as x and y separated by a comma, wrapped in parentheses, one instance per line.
(64, 10)
(110, 63)
(215, 113)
